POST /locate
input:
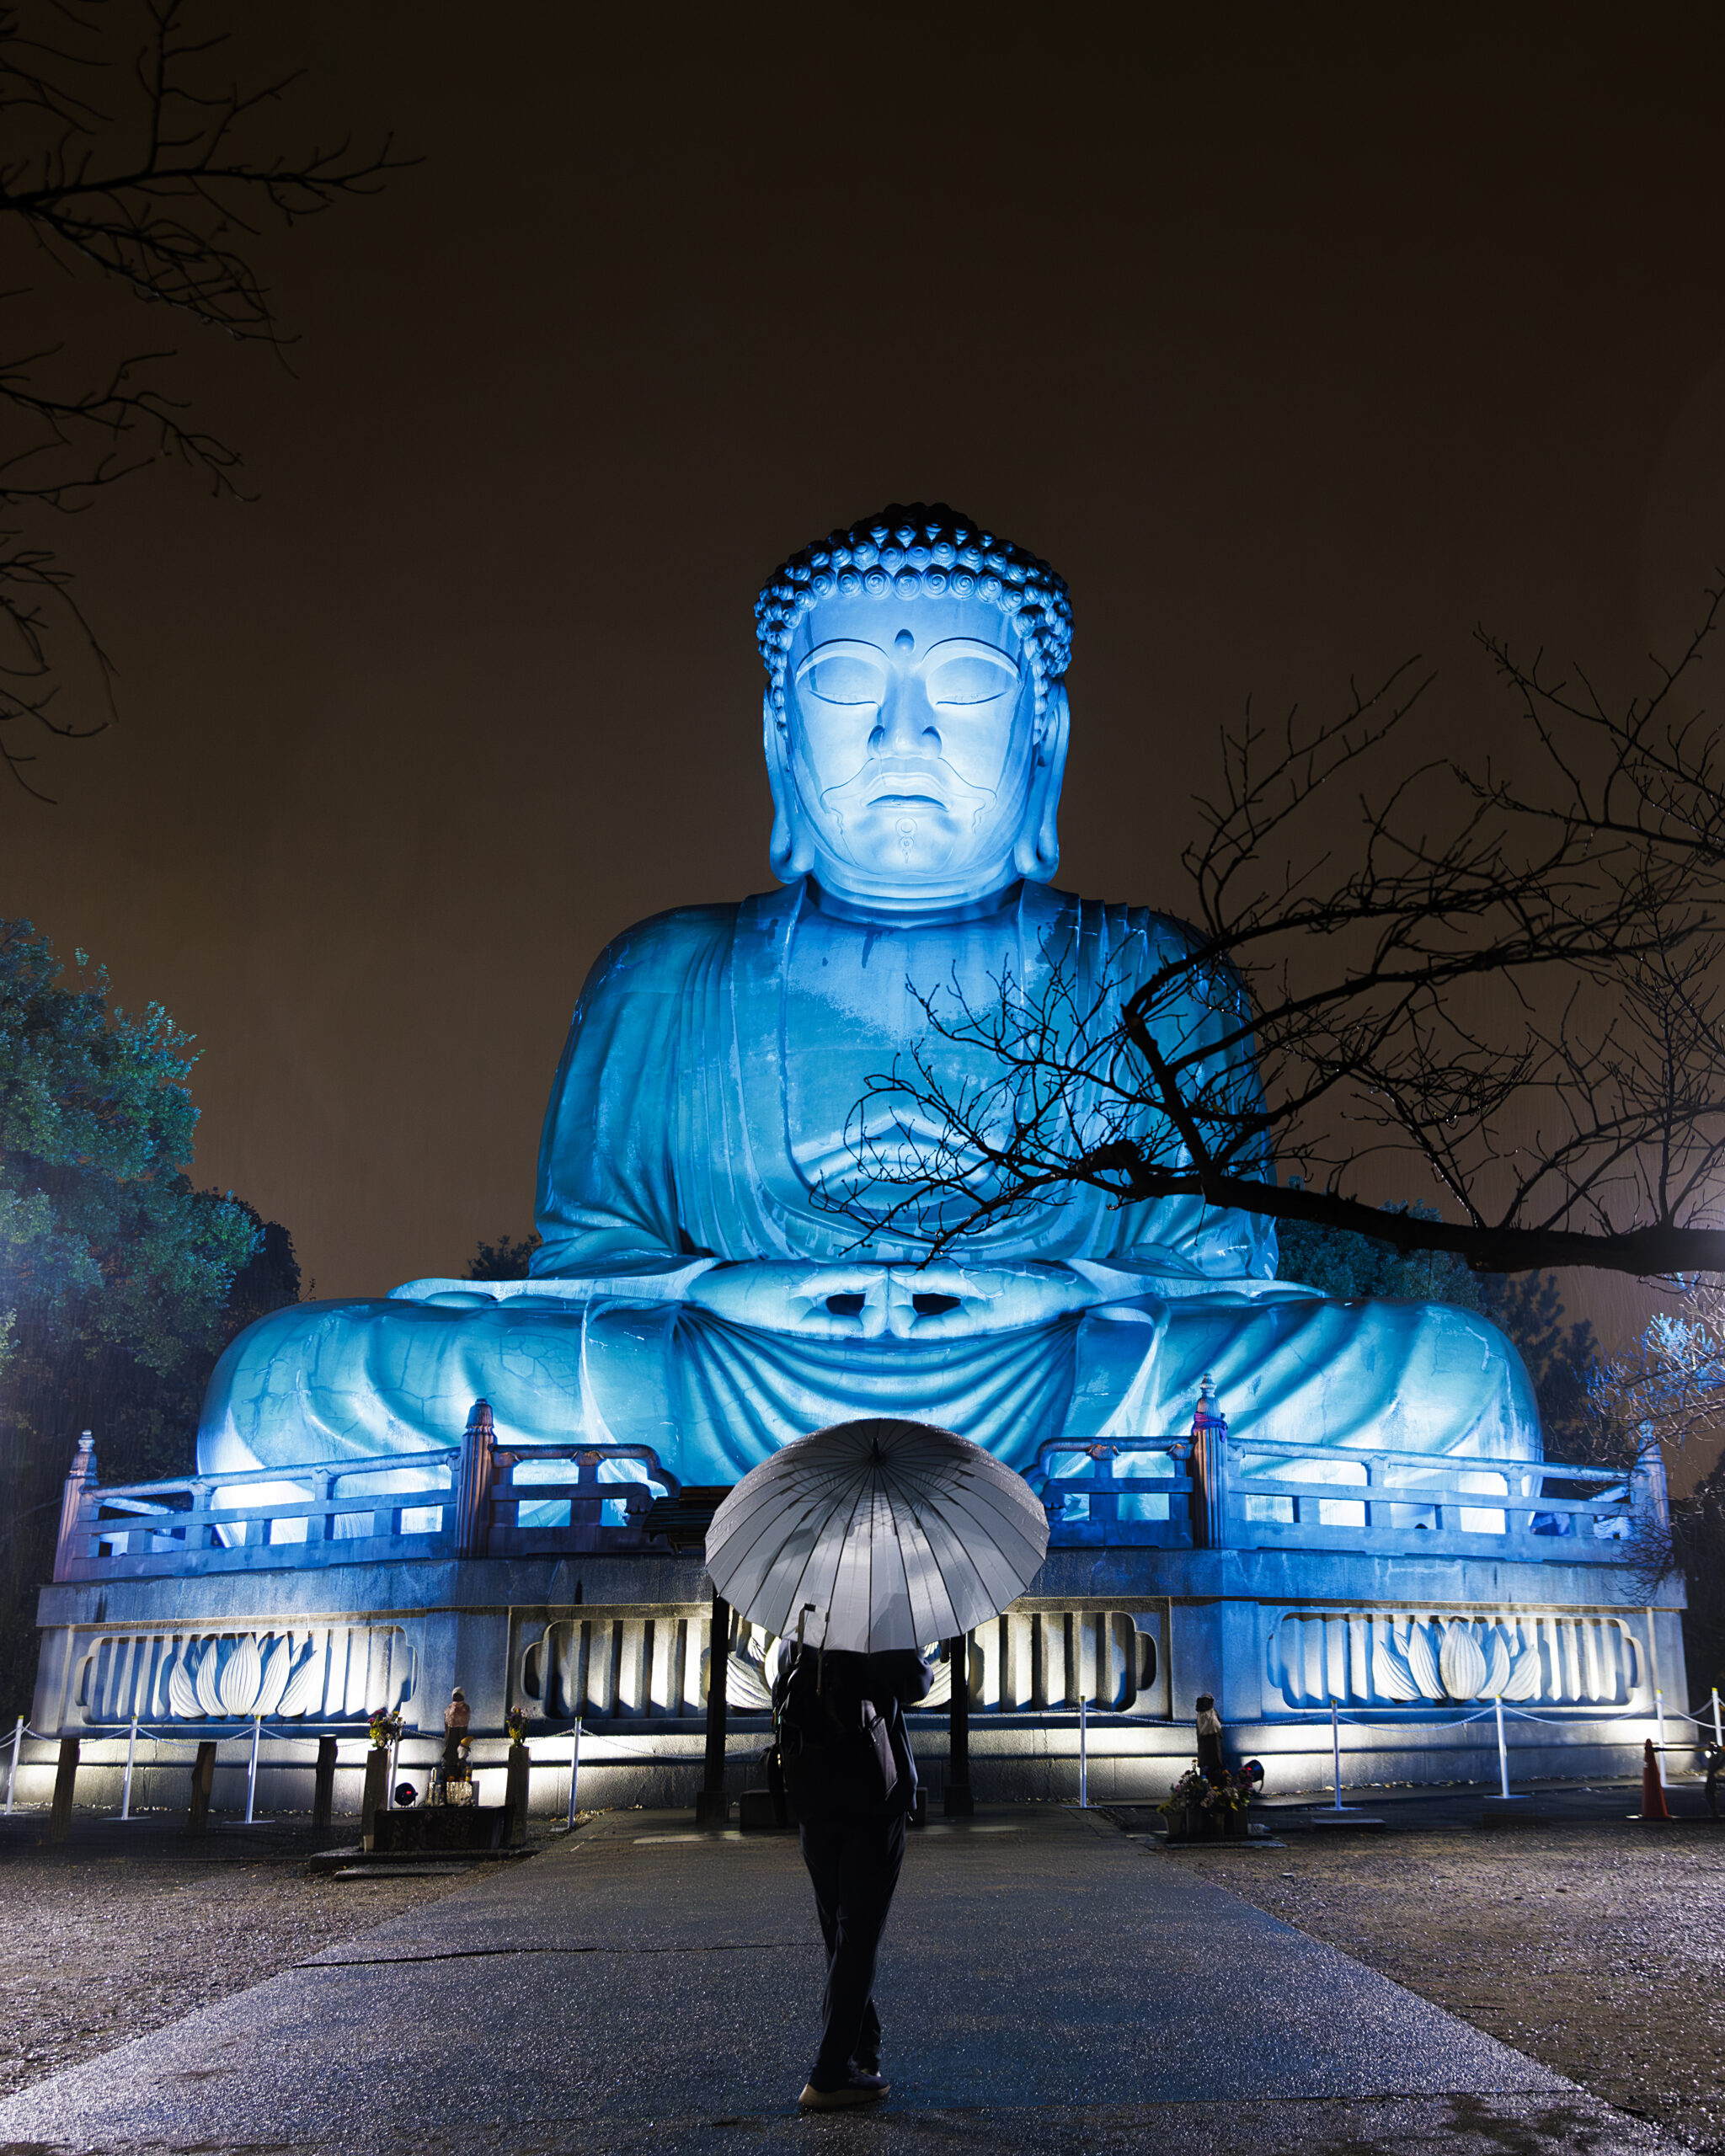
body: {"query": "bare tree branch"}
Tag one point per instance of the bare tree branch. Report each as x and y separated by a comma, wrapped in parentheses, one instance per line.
(1513, 992)
(125, 151)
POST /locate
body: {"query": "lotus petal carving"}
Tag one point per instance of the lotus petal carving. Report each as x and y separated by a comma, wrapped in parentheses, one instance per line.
(182, 1696)
(1461, 1664)
(274, 1681)
(1499, 1675)
(744, 1685)
(305, 1684)
(1390, 1677)
(243, 1678)
(1523, 1682)
(1423, 1663)
(209, 1698)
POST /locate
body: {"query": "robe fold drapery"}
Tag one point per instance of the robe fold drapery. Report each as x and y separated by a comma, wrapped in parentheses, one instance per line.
(703, 1095)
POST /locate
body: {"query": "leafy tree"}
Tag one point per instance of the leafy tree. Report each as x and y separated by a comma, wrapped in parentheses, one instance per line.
(121, 1282)
(504, 1260)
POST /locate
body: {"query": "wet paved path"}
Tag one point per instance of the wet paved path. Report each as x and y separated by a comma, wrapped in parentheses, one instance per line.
(1046, 1984)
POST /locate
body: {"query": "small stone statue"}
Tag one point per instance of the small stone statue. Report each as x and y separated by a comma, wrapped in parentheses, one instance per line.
(1210, 1763)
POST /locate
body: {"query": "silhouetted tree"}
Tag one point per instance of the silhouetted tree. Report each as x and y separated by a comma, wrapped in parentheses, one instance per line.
(504, 1260)
(1515, 991)
(130, 155)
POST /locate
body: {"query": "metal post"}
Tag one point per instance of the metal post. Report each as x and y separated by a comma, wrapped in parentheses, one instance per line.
(131, 1746)
(252, 1772)
(712, 1805)
(60, 1822)
(1659, 1718)
(956, 1800)
(17, 1739)
(1503, 1753)
(574, 1766)
(1336, 1750)
(1718, 1740)
(1083, 1754)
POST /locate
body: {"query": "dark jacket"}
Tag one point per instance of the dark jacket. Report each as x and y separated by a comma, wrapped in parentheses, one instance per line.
(891, 1682)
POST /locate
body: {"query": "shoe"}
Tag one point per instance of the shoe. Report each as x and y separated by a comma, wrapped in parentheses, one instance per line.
(868, 2066)
(854, 2088)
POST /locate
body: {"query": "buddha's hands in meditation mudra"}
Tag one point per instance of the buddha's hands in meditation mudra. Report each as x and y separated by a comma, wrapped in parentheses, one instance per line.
(864, 1302)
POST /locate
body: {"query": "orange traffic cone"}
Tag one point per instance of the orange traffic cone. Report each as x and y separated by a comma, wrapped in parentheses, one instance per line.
(1652, 1790)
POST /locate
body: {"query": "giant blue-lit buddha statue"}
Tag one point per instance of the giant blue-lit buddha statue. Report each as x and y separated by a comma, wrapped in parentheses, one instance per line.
(695, 1291)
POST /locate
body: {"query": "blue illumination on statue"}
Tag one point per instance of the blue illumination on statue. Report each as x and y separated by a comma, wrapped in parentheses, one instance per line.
(694, 1293)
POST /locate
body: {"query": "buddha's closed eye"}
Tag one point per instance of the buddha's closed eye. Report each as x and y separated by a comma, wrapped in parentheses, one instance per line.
(846, 679)
(968, 680)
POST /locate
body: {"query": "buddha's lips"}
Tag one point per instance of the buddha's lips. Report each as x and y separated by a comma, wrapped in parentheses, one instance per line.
(916, 783)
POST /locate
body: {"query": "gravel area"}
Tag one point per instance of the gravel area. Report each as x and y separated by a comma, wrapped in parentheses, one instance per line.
(1599, 1949)
(99, 1945)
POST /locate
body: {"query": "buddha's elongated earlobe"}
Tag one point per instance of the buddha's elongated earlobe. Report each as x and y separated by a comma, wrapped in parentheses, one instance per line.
(789, 850)
(1036, 853)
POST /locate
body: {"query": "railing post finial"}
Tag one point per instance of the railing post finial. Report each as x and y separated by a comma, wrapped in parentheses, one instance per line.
(80, 1476)
(473, 1490)
(1209, 1469)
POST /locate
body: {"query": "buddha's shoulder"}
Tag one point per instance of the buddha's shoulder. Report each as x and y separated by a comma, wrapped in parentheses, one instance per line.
(1163, 934)
(664, 943)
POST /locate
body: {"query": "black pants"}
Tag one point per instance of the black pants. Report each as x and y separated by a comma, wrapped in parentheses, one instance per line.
(854, 1867)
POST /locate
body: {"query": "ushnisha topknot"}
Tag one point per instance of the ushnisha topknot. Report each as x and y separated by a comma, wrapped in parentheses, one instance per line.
(907, 549)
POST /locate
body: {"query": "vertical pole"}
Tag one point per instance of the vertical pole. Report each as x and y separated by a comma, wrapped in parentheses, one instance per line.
(323, 1788)
(1502, 1752)
(1336, 1752)
(1083, 1754)
(957, 1801)
(203, 1775)
(376, 1798)
(17, 1739)
(516, 1789)
(60, 1823)
(252, 1771)
(574, 1766)
(711, 1807)
(131, 1747)
(1659, 1718)
(1718, 1740)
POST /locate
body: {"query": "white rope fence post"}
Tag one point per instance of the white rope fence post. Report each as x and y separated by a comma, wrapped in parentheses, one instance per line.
(1502, 1749)
(1083, 1754)
(252, 1773)
(1718, 1740)
(1336, 1753)
(17, 1739)
(574, 1766)
(1660, 1719)
(131, 1751)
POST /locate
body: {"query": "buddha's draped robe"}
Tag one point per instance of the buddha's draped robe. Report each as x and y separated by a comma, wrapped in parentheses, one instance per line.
(716, 1060)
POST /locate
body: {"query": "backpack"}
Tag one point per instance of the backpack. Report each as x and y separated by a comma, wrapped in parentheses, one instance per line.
(830, 1759)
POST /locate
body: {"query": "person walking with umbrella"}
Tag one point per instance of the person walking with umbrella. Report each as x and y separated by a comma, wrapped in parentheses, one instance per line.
(864, 1540)
(842, 1757)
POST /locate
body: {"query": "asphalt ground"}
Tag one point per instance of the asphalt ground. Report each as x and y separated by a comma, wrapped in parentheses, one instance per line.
(1048, 1983)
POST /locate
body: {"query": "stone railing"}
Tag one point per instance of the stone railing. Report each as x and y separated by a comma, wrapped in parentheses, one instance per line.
(1216, 1492)
(1209, 1492)
(470, 1500)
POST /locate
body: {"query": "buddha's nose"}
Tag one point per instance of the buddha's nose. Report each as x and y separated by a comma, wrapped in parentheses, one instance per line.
(906, 726)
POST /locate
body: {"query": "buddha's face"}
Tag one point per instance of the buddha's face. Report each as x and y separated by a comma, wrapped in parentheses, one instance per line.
(910, 751)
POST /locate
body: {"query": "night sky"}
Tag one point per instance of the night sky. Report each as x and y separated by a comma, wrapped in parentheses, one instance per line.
(1298, 346)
